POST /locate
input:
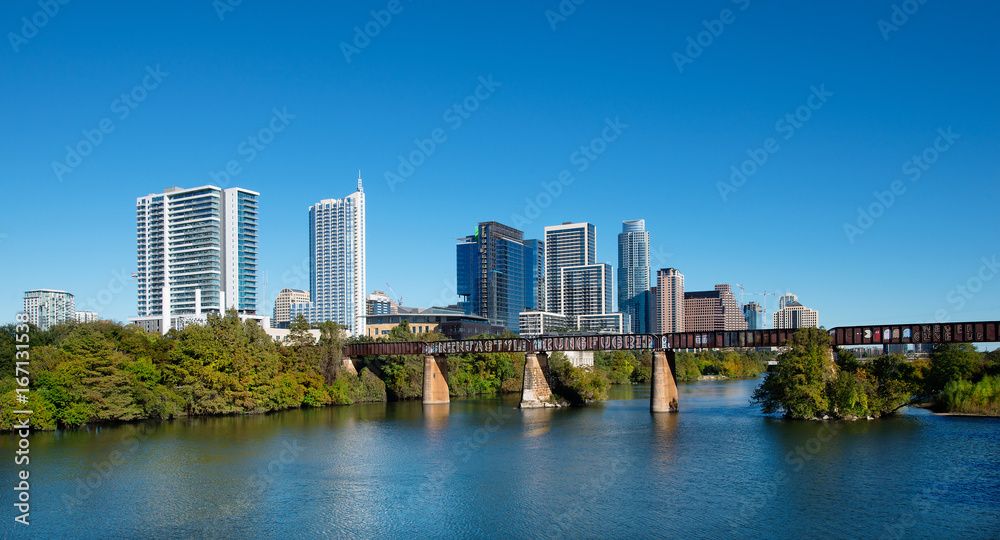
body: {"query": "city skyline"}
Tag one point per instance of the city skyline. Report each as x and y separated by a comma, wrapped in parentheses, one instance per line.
(459, 137)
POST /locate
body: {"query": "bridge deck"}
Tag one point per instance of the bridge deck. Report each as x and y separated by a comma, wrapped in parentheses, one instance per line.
(963, 332)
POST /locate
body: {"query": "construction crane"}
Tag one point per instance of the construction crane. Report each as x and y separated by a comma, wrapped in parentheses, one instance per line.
(765, 294)
(399, 300)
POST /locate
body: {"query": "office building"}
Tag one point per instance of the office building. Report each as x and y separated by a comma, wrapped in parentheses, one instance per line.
(707, 311)
(196, 254)
(283, 306)
(379, 303)
(633, 274)
(792, 314)
(534, 274)
(451, 321)
(46, 308)
(669, 304)
(337, 266)
(753, 313)
(535, 323)
(566, 245)
(497, 273)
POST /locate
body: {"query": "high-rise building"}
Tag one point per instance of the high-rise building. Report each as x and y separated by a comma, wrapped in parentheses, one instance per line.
(707, 311)
(379, 303)
(633, 274)
(337, 263)
(792, 314)
(86, 316)
(576, 287)
(669, 306)
(753, 313)
(46, 308)
(534, 276)
(569, 244)
(283, 306)
(498, 274)
(196, 254)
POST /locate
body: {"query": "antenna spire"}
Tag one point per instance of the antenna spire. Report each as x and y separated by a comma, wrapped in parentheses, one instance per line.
(359, 180)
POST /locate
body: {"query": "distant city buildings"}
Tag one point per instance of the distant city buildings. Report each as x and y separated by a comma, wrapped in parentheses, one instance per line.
(86, 316)
(46, 308)
(337, 263)
(753, 313)
(633, 274)
(451, 321)
(196, 254)
(498, 273)
(577, 288)
(668, 302)
(707, 311)
(379, 303)
(792, 314)
(283, 306)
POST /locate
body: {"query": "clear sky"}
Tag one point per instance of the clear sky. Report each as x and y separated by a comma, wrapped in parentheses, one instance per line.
(180, 87)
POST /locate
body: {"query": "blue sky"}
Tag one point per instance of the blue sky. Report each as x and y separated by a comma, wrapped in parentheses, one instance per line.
(685, 115)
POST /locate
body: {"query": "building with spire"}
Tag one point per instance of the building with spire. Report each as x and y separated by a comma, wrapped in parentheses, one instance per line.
(792, 314)
(337, 263)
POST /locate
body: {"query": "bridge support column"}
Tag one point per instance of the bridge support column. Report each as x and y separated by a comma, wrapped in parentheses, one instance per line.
(663, 394)
(435, 379)
(348, 365)
(535, 391)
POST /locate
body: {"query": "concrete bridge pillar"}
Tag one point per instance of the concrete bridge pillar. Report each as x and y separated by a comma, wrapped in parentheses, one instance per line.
(348, 365)
(663, 394)
(535, 391)
(435, 379)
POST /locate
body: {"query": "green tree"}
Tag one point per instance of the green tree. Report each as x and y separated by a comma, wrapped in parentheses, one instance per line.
(798, 383)
(952, 362)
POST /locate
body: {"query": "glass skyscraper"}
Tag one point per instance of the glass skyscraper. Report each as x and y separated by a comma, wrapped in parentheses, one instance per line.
(337, 263)
(498, 273)
(633, 274)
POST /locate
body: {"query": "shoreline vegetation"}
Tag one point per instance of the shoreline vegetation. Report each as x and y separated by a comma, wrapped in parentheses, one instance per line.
(809, 383)
(105, 372)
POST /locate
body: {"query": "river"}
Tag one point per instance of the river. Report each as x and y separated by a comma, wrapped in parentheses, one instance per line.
(481, 468)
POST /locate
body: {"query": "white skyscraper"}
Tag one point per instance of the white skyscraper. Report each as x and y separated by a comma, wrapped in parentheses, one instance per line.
(196, 254)
(46, 307)
(337, 263)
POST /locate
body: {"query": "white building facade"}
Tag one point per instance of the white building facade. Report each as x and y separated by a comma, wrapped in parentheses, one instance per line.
(337, 260)
(792, 314)
(46, 308)
(196, 254)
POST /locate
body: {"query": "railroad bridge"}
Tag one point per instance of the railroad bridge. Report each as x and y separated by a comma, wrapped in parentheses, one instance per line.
(536, 391)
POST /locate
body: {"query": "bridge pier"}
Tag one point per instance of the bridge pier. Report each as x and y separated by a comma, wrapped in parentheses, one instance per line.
(435, 379)
(535, 390)
(663, 393)
(348, 364)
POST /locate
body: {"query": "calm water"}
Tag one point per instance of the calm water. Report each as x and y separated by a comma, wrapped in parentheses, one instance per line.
(480, 468)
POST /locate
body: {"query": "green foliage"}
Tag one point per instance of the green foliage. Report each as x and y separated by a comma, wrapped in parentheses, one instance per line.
(951, 362)
(643, 372)
(798, 384)
(576, 385)
(616, 365)
(964, 396)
